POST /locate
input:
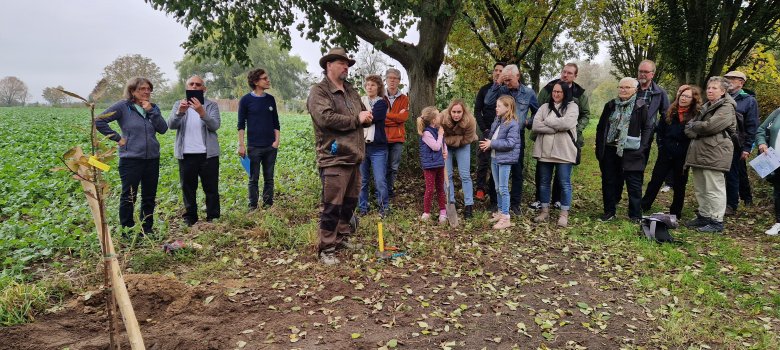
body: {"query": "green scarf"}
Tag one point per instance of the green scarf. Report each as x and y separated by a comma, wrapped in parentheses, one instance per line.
(618, 122)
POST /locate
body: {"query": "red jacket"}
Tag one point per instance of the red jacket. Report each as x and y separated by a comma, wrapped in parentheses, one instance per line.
(394, 124)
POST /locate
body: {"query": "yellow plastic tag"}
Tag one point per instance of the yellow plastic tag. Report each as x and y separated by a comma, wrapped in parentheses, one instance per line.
(98, 164)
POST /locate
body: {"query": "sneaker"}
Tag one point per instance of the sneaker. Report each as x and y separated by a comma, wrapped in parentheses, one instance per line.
(607, 217)
(665, 189)
(495, 216)
(442, 218)
(328, 257)
(517, 211)
(557, 205)
(425, 216)
(773, 230)
(712, 227)
(699, 221)
(502, 223)
(730, 211)
(480, 195)
(535, 205)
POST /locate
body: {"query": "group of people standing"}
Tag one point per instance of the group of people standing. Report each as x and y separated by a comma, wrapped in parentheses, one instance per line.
(361, 138)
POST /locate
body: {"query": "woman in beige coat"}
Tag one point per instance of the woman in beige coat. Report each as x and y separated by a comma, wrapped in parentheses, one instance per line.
(555, 147)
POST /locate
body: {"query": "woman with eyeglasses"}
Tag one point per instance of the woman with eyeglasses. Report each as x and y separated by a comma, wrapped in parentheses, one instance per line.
(622, 136)
(672, 148)
(139, 151)
(710, 154)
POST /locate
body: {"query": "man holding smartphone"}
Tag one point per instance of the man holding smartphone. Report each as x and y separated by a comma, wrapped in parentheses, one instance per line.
(197, 149)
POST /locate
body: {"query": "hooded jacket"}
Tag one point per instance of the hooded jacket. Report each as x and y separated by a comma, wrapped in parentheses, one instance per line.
(711, 146)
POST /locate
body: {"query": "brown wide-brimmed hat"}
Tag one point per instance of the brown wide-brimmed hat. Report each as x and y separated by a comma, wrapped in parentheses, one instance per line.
(336, 53)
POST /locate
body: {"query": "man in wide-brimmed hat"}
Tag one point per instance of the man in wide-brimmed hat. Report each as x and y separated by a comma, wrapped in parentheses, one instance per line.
(338, 117)
(737, 183)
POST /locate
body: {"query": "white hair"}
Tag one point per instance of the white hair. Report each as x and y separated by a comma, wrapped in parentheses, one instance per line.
(629, 80)
(512, 68)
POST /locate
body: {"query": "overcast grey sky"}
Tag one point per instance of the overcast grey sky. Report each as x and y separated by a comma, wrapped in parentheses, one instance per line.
(68, 42)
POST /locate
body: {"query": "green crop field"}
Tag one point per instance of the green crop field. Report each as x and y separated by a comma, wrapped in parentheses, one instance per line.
(44, 216)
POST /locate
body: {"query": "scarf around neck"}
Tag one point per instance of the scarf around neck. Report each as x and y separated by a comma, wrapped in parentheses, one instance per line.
(618, 122)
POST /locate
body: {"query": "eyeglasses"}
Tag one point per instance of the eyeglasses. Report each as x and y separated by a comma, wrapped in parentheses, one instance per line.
(626, 87)
(646, 71)
(144, 88)
(192, 83)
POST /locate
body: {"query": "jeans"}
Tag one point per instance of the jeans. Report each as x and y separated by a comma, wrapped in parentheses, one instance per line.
(556, 186)
(191, 167)
(516, 193)
(394, 152)
(375, 163)
(612, 178)
(501, 179)
(134, 172)
(265, 156)
(563, 170)
(737, 183)
(462, 155)
(665, 167)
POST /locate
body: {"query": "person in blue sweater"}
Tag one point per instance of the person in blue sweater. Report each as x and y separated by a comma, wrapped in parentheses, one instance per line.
(376, 146)
(257, 112)
(139, 150)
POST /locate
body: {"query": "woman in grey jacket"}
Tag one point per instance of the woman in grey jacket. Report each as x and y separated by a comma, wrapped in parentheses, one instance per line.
(139, 150)
(555, 126)
(710, 154)
(768, 136)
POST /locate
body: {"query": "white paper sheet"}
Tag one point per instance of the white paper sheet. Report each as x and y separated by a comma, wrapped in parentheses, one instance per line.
(766, 162)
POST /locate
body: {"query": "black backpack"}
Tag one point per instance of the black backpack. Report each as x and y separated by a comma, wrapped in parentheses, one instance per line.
(656, 227)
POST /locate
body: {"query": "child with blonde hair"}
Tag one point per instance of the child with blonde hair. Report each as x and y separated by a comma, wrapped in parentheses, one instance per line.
(433, 152)
(505, 143)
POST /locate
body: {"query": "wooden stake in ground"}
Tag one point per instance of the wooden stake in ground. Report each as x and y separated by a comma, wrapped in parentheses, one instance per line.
(87, 170)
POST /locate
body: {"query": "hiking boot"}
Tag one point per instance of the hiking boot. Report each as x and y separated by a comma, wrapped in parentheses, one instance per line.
(468, 212)
(730, 211)
(502, 223)
(773, 230)
(480, 195)
(494, 217)
(535, 205)
(607, 217)
(699, 221)
(712, 227)
(328, 257)
(543, 215)
(563, 219)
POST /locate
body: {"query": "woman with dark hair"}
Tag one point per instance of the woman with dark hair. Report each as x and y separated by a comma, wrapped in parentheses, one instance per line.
(555, 126)
(672, 149)
(376, 146)
(710, 154)
(139, 150)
